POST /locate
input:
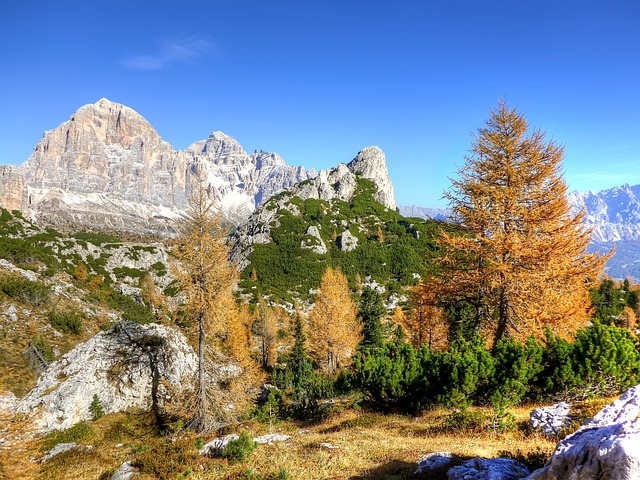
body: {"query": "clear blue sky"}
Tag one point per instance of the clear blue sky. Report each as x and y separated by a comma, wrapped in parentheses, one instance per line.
(315, 81)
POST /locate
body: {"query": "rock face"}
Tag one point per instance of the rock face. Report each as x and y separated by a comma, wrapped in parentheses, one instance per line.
(440, 214)
(314, 242)
(12, 190)
(606, 447)
(123, 367)
(108, 167)
(371, 164)
(614, 214)
(347, 241)
(551, 420)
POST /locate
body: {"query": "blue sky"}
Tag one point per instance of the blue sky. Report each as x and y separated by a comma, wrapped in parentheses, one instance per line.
(315, 81)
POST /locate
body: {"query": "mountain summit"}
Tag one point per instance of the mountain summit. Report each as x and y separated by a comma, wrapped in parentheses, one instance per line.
(107, 167)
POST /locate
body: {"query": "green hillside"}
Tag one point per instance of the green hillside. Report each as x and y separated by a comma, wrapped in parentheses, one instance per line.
(392, 250)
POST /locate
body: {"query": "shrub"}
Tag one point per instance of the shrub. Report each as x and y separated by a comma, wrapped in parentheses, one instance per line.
(44, 348)
(67, 322)
(606, 359)
(131, 310)
(34, 293)
(238, 450)
(76, 433)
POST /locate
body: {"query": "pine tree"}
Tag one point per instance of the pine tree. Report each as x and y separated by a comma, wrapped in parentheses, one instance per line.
(96, 409)
(371, 311)
(334, 330)
(425, 324)
(148, 290)
(81, 272)
(523, 263)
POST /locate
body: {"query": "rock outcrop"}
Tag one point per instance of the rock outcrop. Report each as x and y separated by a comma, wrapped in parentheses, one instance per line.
(551, 420)
(107, 167)
(338, 183)
(606, 447)
(125, 367)
(12, 189)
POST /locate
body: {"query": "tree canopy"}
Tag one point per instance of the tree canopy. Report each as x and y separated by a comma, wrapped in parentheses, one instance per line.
(522, 264)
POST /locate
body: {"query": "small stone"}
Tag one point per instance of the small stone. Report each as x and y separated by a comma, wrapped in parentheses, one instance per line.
(271, 438)
(329, 446)
(58, 449)
(125, 472)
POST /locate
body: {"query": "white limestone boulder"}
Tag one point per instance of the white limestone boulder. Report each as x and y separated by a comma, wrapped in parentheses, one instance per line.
(607, 447)
(488, 469)
(126, 367)
(551, 420)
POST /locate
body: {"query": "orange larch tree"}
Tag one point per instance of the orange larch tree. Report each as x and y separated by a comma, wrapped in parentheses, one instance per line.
(334, 329)
(425, 324)
(522, 264)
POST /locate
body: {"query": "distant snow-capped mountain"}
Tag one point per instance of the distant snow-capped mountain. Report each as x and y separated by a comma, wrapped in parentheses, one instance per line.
(614, 214)
(440, 214)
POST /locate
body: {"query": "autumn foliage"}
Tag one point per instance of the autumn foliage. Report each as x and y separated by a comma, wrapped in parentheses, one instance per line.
(522, 266)
(334, 330)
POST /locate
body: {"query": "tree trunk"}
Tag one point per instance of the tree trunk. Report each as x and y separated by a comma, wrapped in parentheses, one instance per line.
(503, 317)
(201, 409)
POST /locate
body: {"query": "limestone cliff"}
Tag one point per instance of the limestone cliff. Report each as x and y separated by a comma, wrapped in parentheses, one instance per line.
(12, 189)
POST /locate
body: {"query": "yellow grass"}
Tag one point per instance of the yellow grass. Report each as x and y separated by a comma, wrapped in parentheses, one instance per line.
(371, 446)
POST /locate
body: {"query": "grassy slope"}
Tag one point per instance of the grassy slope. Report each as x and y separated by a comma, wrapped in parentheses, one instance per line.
(371, 446)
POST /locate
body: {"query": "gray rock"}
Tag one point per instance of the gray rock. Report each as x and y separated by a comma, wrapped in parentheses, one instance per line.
(434, 462)
(314, 242)
(271, 438)
(125, 472)
(215, 447)
(12, 313)
(370, 163)
(607, 447)
(347, 241)
(551, 420)
(12, 189)
(488, 469)
(8, 402)
(58, 449)
(28, 274)
(120, 366)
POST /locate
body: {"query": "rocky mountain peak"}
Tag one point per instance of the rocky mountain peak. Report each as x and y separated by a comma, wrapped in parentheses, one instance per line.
(338, 183)
(107, 167)
(371, 164)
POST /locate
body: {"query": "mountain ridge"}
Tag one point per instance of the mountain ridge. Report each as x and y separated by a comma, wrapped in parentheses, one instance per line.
(107, 167)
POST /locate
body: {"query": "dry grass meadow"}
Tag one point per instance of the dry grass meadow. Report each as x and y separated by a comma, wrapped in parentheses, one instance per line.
(369, 446)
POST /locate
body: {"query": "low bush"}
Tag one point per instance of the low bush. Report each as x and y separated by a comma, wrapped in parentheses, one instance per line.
(27, 291)
(240, 449)
(602, 360)
(67, 322)
(77, 433)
